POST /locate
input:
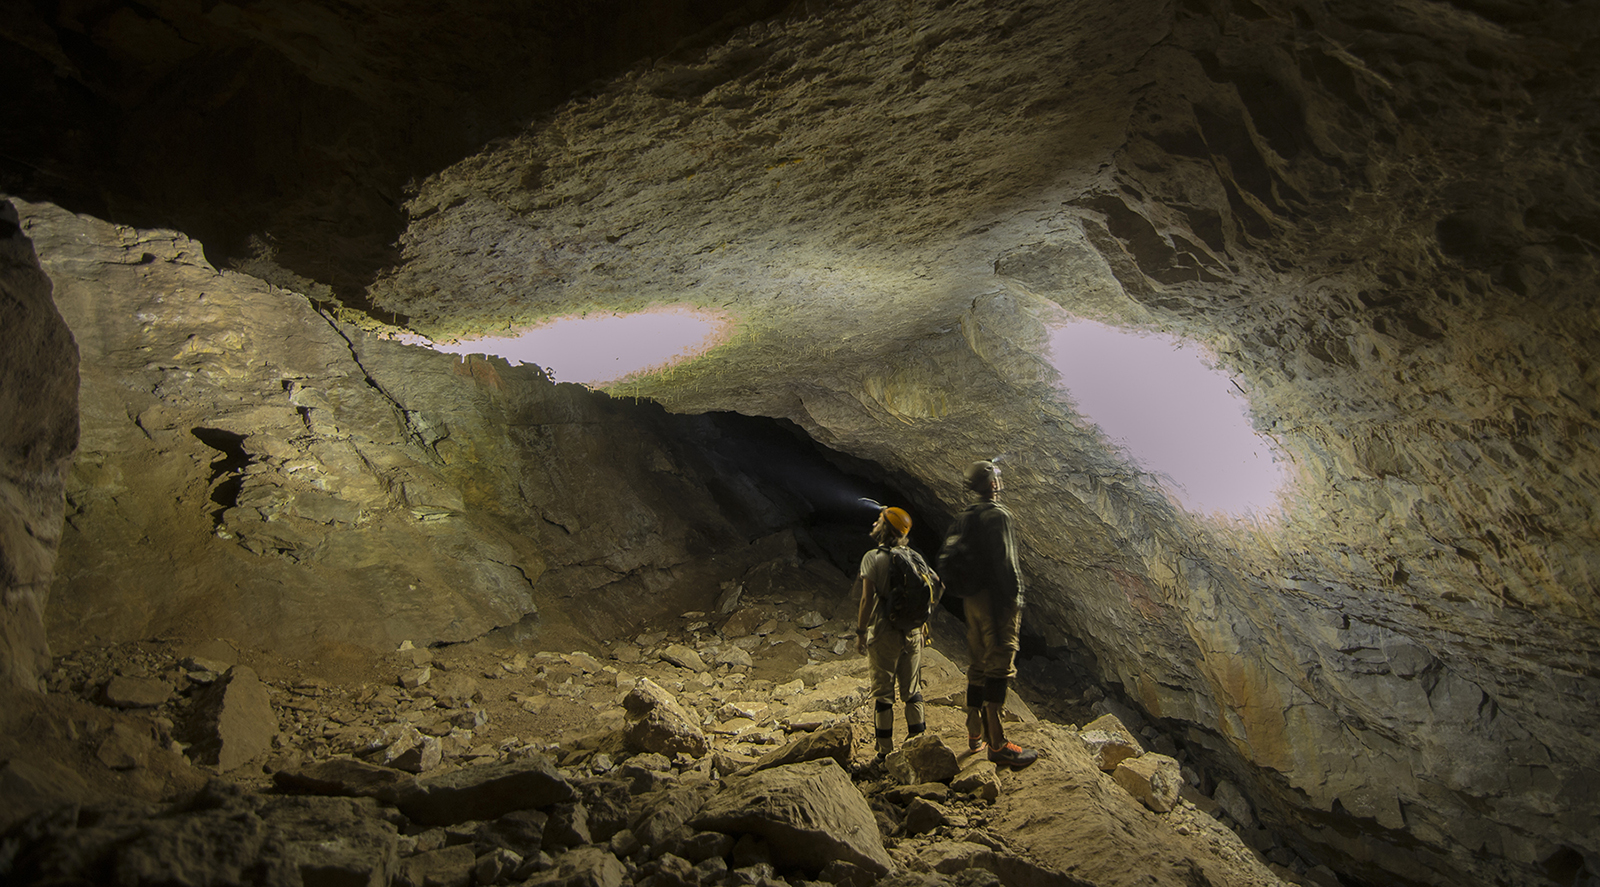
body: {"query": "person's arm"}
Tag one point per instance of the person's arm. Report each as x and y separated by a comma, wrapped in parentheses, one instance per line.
(1008, 572)
(863, 611)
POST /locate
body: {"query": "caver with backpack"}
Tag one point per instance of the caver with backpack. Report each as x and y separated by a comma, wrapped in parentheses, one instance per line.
(898, 593)
(979, 561)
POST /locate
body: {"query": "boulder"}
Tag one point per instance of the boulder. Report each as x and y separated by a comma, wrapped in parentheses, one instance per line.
(345, 777)
(587, 866)
(809, 813)
(496, 866)
(657, 723)
(486, 791)
(127, 747)
(333, 841)
(925, 816)
(1154, 779)
(413, 751)
(445, 867)
(233, 722)
(923, 758)
(683, 657)
(520, 831)
(979, 778)
(1109, 743)
(130, 692)
(663, 814)
(835, 741)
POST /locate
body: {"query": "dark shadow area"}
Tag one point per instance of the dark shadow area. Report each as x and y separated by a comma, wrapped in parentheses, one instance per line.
(832, 493)
(227, 468)
(289, 131)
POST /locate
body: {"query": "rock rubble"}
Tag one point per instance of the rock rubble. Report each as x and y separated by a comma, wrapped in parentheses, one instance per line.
(601, 767)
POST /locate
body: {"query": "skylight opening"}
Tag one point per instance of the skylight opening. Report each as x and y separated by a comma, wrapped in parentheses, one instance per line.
(600, 349)
(1165, 404)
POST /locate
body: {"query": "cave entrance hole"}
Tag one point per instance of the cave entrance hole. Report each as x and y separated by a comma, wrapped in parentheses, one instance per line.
(599, 349)
(1165, 404)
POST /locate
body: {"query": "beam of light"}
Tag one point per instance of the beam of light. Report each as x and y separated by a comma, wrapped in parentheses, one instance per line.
(598, 349)
(1174, 413)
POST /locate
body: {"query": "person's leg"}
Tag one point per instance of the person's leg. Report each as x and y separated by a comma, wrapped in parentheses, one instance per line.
(883, 653)
(980, 638)
(910, 676)
(999, 669)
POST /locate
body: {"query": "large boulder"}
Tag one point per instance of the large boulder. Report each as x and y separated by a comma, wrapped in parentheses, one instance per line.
(810, 814)
(486, 791)
(233, 722)
(658, 723)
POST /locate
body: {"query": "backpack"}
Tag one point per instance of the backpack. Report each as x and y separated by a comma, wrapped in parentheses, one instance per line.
(959, 561)
(908, 601)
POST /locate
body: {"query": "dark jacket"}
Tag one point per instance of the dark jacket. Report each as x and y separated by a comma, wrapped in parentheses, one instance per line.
(996, 542)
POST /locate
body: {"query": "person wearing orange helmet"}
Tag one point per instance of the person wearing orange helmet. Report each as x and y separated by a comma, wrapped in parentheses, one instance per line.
(894, 652)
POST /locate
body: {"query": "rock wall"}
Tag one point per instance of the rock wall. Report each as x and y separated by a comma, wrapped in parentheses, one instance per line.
(1380, 217)
(38, 433)
(1376, 218)
(254, 469)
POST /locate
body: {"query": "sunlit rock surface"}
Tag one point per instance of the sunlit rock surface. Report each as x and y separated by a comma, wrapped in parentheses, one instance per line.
(253, 468)
(1380, 219)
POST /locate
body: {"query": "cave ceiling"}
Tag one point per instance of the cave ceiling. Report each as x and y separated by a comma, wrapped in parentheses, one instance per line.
(1379, 220)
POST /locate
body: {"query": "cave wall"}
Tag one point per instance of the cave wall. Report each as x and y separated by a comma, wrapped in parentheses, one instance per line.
(1375, 216)
(39, 403)
(251, 468)
(1380, 217)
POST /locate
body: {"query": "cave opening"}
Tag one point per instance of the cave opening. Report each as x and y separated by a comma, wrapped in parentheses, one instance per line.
(1166, 405)
(600, 348)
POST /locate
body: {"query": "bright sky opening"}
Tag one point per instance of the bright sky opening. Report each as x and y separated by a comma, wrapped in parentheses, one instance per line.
(598, 349)
(1174, 413)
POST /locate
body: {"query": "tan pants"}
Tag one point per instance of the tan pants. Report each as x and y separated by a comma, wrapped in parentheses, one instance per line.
(895, 658)
(992, 642)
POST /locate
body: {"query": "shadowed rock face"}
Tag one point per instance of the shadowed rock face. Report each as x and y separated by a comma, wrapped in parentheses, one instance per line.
(1382, 220)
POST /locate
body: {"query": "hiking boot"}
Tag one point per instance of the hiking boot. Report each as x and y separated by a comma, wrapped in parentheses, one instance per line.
(1013, 756)
(975, 742)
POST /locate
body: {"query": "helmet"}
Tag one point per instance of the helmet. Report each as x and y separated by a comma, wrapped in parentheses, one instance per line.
(980, 475)
(898, 518)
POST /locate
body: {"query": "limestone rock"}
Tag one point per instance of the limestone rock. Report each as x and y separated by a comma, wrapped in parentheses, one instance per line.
(233, 721)
(126, 748)
(30, 787)
(347, 777)
(486, 791)
(1152, 778)
(220, 836)
(1233, 802)
(810, 814)
(683, 657)
(978, 777)
(445, 867)
(332, 840)
(1109, 743)
(582, 867)
(412, 751)
(131, 692)
(924, 816)
(836, 741)
(923, 758)
(496, 866)
(657, 723)
(566, 826)
(39, 383)
(520, 831)
(454, 689)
